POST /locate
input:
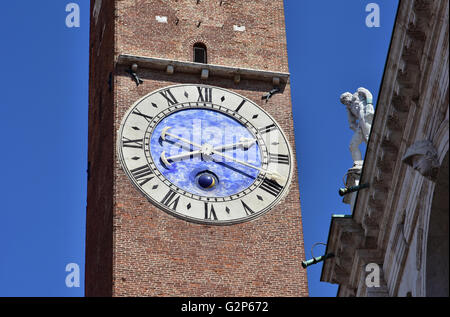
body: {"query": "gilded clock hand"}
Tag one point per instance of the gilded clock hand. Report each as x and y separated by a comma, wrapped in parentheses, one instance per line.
(206, 150)
(272, 175)
(243, 142)
(164, 134)
(172, 158)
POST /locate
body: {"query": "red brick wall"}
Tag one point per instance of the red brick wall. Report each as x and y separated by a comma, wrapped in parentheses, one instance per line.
(261, 46)
(153, 253)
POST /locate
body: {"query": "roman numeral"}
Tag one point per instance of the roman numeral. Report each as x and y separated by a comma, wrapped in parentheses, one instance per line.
(146, 117)
(169, 97)
(141, 174)
(240, 105)
(133, 143)
(271, 187)
(210, 213)
(267, 129)
(204, 94)
(247, 209)
(170, 200)
(279, 158)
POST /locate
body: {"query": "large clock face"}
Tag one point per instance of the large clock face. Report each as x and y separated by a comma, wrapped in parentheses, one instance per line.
(205, 154)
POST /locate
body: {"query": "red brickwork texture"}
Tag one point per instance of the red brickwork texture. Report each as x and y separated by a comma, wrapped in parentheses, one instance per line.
(261, 46)
(151, 252)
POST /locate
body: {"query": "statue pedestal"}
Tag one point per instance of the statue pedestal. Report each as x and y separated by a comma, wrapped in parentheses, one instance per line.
(353, 176)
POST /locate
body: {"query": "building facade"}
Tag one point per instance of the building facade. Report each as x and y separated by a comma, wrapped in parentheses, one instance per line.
(145, 234)
(400, 223)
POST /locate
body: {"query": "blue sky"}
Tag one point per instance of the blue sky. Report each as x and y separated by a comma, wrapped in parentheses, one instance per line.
(331, 51)
(44, 107)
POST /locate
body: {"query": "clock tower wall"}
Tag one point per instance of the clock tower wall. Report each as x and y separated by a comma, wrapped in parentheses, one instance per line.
(157, 254)
(247, 34)
(133, 247)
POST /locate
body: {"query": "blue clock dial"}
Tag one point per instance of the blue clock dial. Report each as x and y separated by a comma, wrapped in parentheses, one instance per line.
(182, 146)
(205, 154)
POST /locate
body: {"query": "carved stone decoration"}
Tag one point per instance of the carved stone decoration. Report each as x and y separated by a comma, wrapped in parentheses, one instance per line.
(401, 103)
(360, 115)
(422, 156)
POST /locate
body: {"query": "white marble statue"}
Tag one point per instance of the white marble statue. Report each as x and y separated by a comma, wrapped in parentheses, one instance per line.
(360, 115)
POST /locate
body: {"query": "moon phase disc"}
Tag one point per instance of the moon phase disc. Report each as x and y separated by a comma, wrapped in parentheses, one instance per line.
(206, 180)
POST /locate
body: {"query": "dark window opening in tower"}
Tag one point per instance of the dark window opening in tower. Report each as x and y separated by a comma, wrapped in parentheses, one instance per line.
(200, 55)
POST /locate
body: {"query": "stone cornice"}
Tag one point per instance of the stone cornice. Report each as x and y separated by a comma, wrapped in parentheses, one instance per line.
(211, 70)
(344, 237)
(400, 101)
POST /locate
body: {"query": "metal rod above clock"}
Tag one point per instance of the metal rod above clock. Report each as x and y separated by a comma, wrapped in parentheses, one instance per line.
(177, 66)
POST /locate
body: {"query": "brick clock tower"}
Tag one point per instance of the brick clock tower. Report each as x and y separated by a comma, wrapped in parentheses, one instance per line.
(192, 180)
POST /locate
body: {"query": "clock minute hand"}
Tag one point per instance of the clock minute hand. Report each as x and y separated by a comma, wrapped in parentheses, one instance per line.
(272, 175)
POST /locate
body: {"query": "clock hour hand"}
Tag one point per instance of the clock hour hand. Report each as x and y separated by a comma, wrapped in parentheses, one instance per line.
(272, 175)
